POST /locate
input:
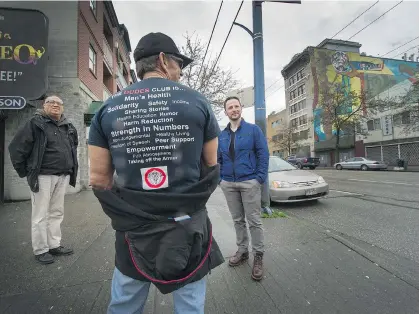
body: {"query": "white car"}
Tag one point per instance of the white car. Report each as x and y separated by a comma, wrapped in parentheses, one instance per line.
(289, 184)
(360, 163)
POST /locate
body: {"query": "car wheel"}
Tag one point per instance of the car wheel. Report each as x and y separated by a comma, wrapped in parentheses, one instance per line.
(364, 167)
(299, 166)
(338, 167)
(312, 168)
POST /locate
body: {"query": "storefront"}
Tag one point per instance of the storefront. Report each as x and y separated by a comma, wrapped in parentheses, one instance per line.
(23, 75)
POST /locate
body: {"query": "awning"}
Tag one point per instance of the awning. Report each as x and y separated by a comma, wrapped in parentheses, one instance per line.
(93, 107)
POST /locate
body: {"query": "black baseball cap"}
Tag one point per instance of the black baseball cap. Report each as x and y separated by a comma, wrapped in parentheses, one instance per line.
(154, 43)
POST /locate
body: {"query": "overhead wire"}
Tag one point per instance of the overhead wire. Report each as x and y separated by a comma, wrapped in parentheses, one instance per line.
(406, 50)
(400, 46)
(364, 28)
(350, 23)
(346, 26)
(228, 35)
(212, 33)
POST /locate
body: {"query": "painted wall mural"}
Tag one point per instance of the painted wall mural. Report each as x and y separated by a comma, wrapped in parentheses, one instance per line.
(377, 76)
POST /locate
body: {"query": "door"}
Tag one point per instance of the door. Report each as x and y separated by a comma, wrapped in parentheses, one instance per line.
(358, 162)
(348, 163)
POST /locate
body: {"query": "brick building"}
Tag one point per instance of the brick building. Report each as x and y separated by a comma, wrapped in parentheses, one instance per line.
(89, 60)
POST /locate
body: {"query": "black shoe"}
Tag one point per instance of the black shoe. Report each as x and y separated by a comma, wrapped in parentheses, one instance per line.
(45, 258)
(59, 251)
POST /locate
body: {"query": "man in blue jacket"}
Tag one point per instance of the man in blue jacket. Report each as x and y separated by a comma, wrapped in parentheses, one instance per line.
(243, 156)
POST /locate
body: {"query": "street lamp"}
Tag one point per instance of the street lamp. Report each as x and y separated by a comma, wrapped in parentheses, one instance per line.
(259, 79)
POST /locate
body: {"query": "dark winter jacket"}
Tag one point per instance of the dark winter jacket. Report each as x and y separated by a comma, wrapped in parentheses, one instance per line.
(156, 247)
(28, 147)
(251, 154)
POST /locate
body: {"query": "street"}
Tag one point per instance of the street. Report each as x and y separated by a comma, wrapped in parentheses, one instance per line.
(378, 210)
(353, 252)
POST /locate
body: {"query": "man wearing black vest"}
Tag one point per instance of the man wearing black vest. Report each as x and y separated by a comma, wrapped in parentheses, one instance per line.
(161, 139)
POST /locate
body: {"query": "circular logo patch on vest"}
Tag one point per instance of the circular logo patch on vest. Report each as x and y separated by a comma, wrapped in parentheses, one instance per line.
(154, 178)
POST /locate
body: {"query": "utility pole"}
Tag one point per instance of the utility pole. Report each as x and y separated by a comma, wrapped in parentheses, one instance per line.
(258, 67)
(259, 79)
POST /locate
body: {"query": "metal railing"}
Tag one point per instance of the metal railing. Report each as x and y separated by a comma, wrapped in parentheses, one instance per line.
(108, 55)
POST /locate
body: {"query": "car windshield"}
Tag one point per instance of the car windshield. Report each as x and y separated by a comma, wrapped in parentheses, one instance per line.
(277, 164)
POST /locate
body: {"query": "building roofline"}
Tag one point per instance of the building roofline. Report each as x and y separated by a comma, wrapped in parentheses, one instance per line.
(124, 32)
(305, 52)
(112, 14)
(295, 58)
(339, 42)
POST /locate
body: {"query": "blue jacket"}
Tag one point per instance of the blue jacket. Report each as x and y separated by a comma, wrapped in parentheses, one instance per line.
(251, 154)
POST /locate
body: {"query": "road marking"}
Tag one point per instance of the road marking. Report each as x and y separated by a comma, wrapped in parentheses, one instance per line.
(386, 182)
(344, 192)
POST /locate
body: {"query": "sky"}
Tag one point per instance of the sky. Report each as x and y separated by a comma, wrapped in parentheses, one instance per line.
(288, 29)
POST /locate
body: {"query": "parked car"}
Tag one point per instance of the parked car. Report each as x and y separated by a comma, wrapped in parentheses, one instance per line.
(304, 162)
(361, 163)
(289, 184)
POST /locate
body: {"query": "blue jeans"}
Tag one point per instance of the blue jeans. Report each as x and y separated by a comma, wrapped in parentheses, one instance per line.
(128, 296)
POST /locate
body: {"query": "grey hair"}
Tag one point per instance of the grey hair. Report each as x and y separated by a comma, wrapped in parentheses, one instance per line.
(145, 65)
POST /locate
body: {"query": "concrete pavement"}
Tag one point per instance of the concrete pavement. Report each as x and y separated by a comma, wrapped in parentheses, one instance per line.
(307, 269)
(377, 211)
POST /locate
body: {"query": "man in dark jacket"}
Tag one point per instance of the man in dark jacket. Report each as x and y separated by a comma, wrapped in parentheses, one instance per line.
(243, 156)
(161, 138)
(44, 151)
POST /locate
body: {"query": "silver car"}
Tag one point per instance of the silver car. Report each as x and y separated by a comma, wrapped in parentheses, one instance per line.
(289, 184)
(360, 163)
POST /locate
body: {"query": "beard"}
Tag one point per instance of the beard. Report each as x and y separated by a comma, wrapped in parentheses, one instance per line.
(235, 117)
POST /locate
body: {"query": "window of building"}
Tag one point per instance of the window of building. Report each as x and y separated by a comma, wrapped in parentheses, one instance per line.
(300, 75)
(92, 59)
(277, 137)
(275, 123)
(301, 90)
(294, 122)
(293, 94)
(302, 120)
(292, 80)
(304, 135)
(374, 124)
(301, 105)
(93, 6)
(406, 117)
(298, 106)
(377, 124)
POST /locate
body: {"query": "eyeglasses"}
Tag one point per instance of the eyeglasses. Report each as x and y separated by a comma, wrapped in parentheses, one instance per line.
(54, 102)
(179, 61)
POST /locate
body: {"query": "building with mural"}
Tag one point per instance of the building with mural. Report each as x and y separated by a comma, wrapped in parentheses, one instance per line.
(86, 59)
(340, 63)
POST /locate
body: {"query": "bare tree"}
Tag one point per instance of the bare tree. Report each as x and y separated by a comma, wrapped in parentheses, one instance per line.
(344, 110)
(285, 139)
(211, 80)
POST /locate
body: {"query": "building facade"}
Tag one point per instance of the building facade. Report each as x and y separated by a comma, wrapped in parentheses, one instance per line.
(276, 129)
(88, 60)
(340, 62)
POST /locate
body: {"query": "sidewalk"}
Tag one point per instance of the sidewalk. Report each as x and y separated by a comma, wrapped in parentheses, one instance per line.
(307, 271)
